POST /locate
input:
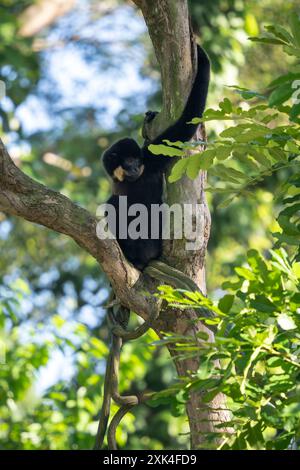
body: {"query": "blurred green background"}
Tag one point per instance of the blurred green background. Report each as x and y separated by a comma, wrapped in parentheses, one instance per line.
(73, 88)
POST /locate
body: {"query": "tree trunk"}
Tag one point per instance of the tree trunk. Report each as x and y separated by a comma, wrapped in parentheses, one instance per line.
(169, 28)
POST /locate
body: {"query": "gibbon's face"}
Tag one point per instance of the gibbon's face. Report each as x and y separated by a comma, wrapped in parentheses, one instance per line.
(127, 160)
(130, 170)
(123, 161)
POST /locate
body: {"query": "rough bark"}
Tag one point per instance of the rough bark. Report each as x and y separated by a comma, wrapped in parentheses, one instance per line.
(169, 28)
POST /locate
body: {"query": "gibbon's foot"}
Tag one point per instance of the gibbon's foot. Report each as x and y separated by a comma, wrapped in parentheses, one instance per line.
(150, 115)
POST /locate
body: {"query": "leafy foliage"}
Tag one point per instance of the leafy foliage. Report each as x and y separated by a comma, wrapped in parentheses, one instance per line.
(255, 358)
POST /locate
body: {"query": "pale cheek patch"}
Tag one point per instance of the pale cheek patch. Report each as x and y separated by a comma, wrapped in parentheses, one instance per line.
(119, 173)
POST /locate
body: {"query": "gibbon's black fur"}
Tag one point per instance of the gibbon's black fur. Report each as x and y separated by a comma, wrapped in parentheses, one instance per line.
(138, 174)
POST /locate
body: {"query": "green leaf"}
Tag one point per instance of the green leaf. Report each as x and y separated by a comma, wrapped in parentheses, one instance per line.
(206, 159)
(227, 202)
(292, 51)
(232, 131)
(192, 170)
(287, 239)
(295, 27)
(231, 173)
(277, 154)
(196, 121)
(296, 269)
(261, 157)
(225, 303)
(257, 263)
(22, 286)
(286, 322)
(178, 143)
(291, 210)
(262, 304)
(251, 26)
(295, 112)
(280, 256)
(246, 93)
(178, 170)
(99, 346)
(58, 321)
(289, 77)
(59, 396)
(213, 114)
(280, 94)
(280, 33)
(288, 227)
(267, 40)
(292, 147)
(223, 152)
(245, 273)
(226, 106)
(165, 150)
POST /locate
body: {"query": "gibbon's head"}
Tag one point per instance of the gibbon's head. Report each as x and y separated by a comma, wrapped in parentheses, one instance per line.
(123, 160)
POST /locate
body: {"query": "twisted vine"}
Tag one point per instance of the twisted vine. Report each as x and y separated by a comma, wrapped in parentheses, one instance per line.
(118, 318)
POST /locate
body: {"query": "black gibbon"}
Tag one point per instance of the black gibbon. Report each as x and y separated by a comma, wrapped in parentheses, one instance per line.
(138, 174)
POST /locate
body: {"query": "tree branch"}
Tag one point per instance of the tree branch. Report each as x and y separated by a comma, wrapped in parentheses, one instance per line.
(22, 196)
(41, 14)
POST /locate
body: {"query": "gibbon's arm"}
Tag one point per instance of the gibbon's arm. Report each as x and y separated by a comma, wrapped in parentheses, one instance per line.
(194, 107)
